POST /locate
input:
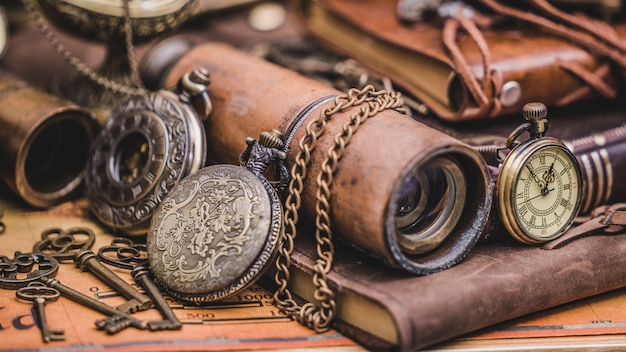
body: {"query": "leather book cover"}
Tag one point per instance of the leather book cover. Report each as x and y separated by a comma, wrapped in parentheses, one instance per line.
(508, 62)
(385, 309)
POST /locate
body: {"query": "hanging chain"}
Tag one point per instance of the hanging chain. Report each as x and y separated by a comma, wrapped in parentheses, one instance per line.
(80, 66)
(319, 314)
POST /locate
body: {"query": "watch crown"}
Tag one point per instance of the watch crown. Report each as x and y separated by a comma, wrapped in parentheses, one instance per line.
(534, 111)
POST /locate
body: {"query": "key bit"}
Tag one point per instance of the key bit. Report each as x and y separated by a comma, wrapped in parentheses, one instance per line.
(40, 294)
(141, 274)
(114, 323)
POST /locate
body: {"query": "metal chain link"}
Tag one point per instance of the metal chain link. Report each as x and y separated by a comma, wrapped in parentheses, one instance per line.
(319, 315)
(79, 65)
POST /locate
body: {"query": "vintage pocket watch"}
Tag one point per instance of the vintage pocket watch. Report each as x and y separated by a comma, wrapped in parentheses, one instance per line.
(146, 146)
(218, 230)
(539, 185)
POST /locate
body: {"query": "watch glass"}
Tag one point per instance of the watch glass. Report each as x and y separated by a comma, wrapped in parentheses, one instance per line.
(547, 192)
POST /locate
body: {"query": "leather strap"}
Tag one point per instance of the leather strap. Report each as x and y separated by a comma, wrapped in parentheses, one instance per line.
(605, 220)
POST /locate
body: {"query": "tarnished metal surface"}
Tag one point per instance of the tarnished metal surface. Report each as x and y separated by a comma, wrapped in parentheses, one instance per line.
(148, 144)
(214, 234)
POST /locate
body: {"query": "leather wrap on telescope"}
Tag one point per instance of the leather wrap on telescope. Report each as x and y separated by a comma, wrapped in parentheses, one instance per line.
(251, 95)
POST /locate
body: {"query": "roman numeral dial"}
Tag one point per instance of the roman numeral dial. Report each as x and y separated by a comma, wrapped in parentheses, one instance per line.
(146, 146)
(539, 185)
(546, 192)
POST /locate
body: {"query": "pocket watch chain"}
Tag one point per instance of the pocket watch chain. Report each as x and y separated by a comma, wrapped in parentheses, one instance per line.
(80, 66)
(318, 315)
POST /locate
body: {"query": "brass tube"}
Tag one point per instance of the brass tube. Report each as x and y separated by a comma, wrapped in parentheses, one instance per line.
(44, 143)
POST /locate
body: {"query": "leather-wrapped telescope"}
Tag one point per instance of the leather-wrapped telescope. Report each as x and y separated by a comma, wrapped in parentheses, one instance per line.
(403, 192)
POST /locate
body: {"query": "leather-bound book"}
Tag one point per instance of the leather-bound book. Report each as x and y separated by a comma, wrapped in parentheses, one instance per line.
(385, 309)
(475, 63)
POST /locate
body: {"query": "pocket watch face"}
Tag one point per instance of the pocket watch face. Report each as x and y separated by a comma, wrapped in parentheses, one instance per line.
(546, 193)
(146, 146)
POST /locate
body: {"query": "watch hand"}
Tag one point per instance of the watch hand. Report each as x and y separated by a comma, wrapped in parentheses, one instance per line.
(537, 180)
(548, 176)
(539, 195)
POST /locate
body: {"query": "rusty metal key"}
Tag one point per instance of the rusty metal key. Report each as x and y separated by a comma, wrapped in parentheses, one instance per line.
(88, 261)
(124, 253)
(40, 294)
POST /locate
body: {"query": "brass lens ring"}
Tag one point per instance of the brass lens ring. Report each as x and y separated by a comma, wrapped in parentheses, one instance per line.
(432, 234)
(442, 195)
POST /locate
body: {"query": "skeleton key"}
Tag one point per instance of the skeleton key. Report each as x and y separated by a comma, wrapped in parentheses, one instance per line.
(66, 245)
(141, 274)
(127, 254)
(38, 293)
(25, 268)
(88, 260)
(117, 320)
(135, 258)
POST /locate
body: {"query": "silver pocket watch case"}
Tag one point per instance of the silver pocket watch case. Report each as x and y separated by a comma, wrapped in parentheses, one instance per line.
(146, 146)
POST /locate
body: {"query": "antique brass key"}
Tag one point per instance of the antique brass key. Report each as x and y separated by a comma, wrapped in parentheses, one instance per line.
(117, 319)
(34, 268)
(88, 261)
(39, 294)
(134, 257)
(64, 245)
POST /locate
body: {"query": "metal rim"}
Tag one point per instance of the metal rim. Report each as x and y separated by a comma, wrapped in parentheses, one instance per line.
(253, 271)
(511, 167)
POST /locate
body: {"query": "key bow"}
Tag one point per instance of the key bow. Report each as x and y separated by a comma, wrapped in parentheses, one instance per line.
(36, 290)
(65, 244)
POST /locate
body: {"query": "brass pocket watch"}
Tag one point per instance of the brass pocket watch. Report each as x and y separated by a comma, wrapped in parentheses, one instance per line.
(539, 186)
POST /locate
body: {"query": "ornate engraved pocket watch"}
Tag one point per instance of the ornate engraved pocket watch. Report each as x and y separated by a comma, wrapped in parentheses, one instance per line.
(147, 145)
(539, 186)
(217, 231)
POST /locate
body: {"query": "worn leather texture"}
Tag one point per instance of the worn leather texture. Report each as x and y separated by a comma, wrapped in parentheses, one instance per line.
(251, 95)
(538, 60)
(495, 283)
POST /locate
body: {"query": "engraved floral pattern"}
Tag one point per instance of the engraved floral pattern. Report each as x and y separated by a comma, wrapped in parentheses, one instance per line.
(215, 225)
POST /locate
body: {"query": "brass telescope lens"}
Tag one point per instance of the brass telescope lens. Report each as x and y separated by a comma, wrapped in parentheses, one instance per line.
(431, 201)
(438, 209)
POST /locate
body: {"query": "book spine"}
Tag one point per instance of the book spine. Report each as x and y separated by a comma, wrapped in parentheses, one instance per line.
(602, 157)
